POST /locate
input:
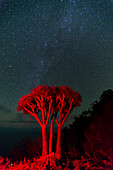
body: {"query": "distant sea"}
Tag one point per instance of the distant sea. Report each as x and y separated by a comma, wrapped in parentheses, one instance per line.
(13, 136)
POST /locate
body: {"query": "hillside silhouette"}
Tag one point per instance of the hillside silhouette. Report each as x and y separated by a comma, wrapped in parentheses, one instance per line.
(92, 132)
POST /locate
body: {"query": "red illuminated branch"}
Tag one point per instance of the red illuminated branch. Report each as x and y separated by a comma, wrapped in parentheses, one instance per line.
(56, 121)
(43, 117)
(42, 99)
(39, 98)
(60, 108)
(29, 120)
(62, 102)
(38, 104)
(51, 132)
(41, 108)
(65, 117)
(32, 108)
(45, 112)
(33, 114)
(60, 112)
(49, 111)
(62, 115)
(59, 97)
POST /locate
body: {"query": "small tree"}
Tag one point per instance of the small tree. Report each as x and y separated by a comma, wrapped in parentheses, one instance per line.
(39, 100)
(66, 100)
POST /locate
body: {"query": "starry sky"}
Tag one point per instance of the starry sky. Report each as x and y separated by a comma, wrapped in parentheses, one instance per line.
(54, 42)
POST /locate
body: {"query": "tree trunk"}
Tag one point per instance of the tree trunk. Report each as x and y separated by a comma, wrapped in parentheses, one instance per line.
(44, 141)
(58, 145)
(51, 136)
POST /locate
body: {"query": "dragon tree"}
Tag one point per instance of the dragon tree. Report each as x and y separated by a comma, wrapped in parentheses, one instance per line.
(38, 101)
(51, 102)
(66, 100)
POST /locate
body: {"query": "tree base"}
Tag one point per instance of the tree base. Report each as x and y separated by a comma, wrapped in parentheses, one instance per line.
(58, 156)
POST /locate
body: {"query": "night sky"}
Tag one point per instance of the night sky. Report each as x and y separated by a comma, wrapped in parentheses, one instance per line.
(54, 42)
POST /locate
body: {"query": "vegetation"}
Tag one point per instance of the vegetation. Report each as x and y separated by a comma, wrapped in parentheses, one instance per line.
(49, 162)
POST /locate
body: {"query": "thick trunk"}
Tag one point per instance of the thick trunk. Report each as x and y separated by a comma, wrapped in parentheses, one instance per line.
(58, 145)
(44, 141)
(51, 136)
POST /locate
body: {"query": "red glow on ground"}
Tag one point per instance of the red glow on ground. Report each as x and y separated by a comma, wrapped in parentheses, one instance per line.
(50, 162)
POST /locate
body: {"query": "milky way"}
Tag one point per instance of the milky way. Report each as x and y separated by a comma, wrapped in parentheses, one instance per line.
(67, 42)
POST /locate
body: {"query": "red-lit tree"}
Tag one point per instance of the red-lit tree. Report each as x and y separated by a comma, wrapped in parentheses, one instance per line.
(39, 100)
(51, 102)
(66, 100)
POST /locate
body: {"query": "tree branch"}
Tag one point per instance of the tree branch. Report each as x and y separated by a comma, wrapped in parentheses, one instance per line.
(62, 115)
(65, 117)
(38, 104)
(56, 121)
(41, 108)
(33, 114)
(30, 119)
(42, 98)
(45, 113)
(49, 111)
(60, 109)
(43, 117)
(38, 98)
(30, 107)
